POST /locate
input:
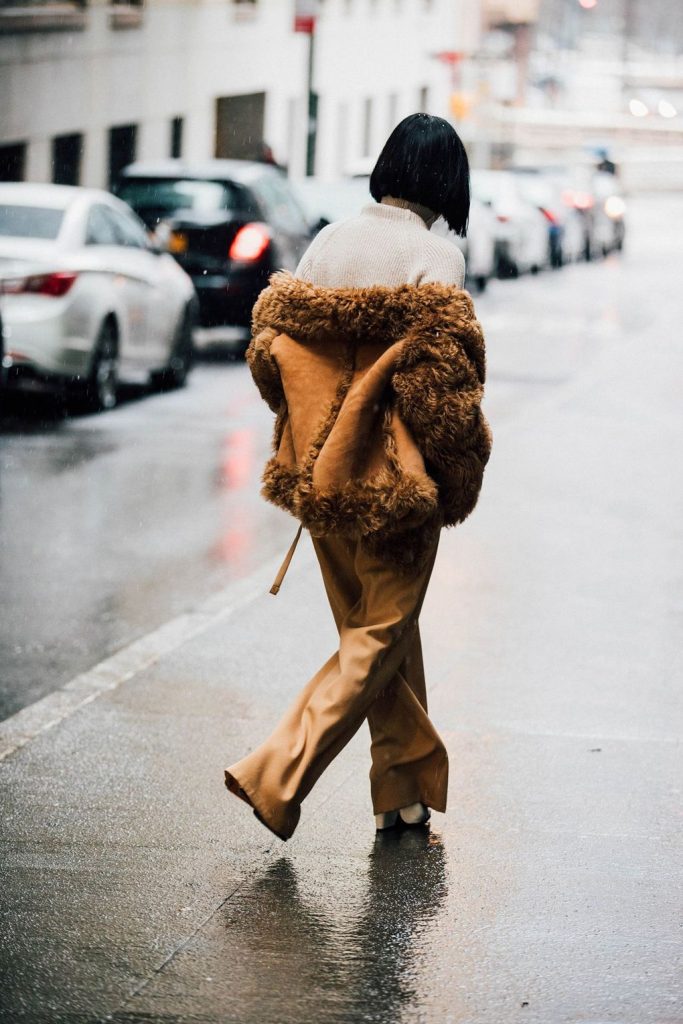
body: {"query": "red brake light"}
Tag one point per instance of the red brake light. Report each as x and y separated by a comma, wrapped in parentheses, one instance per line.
(55, 285)
(250, 243)
(579, 200)
(583, 200)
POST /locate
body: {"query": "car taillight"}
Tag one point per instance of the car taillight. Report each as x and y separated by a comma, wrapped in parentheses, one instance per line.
(548, 214)
(579, 200)
(250, 243)
(55, 285)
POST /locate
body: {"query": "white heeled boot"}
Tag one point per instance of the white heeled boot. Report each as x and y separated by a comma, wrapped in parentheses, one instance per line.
(413, 814)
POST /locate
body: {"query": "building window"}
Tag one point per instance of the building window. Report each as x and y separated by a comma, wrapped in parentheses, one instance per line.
(367, 126)
(122, 146)
(38, 15)
(13, 162)
(126, 13)
(392, 111)
(244, 9)
(239, 126)
(67, 151)
(342, 155)
(423, 100)
(176, 147)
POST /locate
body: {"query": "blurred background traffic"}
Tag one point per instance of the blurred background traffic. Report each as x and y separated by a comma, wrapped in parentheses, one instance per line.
(233, 131)
(159, 160)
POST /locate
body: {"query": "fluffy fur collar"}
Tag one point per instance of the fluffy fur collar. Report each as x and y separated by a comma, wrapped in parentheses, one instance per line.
(309, 312)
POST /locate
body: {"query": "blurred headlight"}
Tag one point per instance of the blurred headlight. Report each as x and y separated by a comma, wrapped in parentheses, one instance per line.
(615, 207)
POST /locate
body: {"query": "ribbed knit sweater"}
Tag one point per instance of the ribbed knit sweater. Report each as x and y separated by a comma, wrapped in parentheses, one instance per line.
(388, 243)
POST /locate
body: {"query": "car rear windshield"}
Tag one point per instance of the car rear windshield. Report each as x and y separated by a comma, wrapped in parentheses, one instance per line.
(30, 221)
(153, 199)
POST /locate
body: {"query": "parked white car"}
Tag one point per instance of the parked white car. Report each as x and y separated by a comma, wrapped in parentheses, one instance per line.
(325, 202)
(87, 299)
(478, 248)
(565, 224)
(521, 228)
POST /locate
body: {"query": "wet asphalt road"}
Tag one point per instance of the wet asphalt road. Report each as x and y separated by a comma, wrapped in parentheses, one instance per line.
(112, 524)
(136, 890)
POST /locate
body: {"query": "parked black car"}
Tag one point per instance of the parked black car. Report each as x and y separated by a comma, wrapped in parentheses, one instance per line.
(229, 223)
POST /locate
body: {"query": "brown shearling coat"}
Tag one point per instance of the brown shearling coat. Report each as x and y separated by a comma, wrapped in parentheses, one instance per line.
(379, 431)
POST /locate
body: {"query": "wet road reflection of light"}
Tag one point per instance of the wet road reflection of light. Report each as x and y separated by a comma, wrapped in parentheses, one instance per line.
(351, 952)
(112, 524)
(237, 473)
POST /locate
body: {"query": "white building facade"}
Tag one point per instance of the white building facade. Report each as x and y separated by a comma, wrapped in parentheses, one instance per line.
(87, 87)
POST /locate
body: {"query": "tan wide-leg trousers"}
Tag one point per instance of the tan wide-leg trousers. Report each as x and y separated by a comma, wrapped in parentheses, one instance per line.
(377, 674)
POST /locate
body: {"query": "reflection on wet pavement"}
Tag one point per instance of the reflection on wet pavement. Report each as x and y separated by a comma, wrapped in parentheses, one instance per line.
(354, 949)
(113, 524)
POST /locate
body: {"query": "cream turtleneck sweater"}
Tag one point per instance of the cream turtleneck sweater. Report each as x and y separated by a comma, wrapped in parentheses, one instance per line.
(388, 243)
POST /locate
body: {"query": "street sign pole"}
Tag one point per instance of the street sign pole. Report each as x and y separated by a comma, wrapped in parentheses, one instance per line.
(305, 16)
(312, 109)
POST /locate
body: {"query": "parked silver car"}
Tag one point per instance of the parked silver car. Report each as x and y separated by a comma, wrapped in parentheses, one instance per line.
(479, 247)
(326, 201)
(87, 300)
(521, 228)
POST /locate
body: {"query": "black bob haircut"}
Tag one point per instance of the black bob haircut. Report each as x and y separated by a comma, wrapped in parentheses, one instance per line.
(424, 161)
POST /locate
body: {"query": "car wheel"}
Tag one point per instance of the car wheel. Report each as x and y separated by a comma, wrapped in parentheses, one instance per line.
(174, 375)
(101, 389)
(507, 268)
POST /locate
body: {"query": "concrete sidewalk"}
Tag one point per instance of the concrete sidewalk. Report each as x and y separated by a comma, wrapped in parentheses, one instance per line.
(136, 889)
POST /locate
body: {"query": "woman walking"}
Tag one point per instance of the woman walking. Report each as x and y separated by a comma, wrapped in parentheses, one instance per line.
(373, 361)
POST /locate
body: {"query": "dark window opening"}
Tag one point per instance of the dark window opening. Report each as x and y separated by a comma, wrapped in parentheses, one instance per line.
(67, 151)
(122, 147)
(239, 126)
(177, 124)
(13, 162)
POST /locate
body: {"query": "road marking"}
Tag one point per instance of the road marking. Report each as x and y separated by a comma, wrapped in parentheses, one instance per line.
(130, 661)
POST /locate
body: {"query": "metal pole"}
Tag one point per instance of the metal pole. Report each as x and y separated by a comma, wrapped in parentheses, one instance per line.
(312, 109)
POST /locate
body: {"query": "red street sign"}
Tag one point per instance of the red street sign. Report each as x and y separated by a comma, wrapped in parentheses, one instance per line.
(305, 14)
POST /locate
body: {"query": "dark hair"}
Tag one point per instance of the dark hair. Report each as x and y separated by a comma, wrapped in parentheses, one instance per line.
(424, 161)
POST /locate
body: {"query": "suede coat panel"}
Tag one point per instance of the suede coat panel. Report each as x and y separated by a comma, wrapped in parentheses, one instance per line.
(377, 393)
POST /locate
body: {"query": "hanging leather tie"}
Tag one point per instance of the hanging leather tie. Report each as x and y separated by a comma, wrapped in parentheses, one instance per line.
(282, 571)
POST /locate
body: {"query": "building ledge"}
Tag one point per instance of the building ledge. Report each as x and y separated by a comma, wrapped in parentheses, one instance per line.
(47, 17)
(125, 15)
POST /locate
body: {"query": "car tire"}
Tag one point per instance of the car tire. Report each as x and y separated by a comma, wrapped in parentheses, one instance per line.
(175, 373)
(507, 269)
(101, 389)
